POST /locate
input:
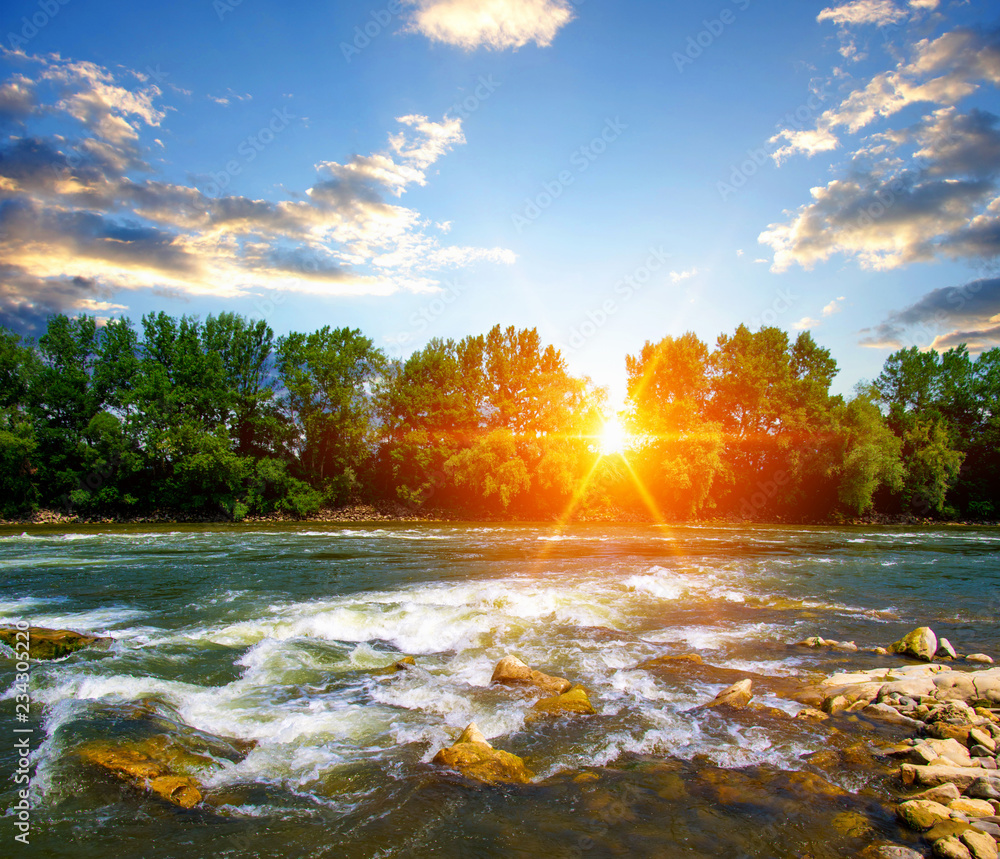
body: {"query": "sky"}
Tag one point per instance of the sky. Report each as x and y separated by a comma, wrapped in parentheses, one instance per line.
(606, 171)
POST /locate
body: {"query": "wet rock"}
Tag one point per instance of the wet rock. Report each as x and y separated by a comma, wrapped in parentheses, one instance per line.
(511, 671)
(945, 650)
(885, 713)
(922, 814)
(141, 765)
(921, 643)
(951, 848)
(890, 851)
(736, 696)
(404, 664)
(811, 714)
(979, 657)
(476, 759)
(980, 845)
(850, 824)
(972, 807)
(575, 702)
(803, 781)
(947, 829)
(46, 643)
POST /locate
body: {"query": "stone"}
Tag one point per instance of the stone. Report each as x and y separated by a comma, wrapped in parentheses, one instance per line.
(44, 643)
(811, 714)
(943, 793)
(971, 807)
(404, 664)
(889, 851)
(511, 671)
(921, 643)
(947, 829)
(945, 650)
(979, 657)
(979, 844)
(962, 777)
(952, 750)
(922, 814)
(850, 824)
(736, 696)
(180, 790)
(885, 713)
(476, 759)
(139, 766)
(984, 788)
(982, 737)
(575, 702)
(951, 848)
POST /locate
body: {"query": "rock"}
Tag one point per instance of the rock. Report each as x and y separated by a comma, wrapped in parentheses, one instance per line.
(972, 807)
(511, 671)
(139, 766)
(736, 696)
(945, 650)
(850, 824)
(885, 713)
(980, 845)
(984, 788)
(979, 657)
(889, 851)
(575, 702)
(922, 814)
(476, 759)
(951, 848)
(835, 704)
(943, 794)
(947, 829)
(952, 750)
(982, 737)
(46, 643)
(881, 651)
(404, 664)
(811, 714)
(921, 643)
(962, 777)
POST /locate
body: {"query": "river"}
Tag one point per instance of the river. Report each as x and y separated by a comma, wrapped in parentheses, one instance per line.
(274, 635)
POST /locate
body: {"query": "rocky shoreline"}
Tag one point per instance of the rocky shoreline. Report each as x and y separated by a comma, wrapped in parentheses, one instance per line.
(383, 513)
(946, 784)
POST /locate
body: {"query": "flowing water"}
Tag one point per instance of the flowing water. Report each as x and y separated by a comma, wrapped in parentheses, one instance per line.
(274, 635)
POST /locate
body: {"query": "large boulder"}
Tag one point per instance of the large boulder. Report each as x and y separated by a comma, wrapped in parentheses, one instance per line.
(922, 644)
(46, 643)
(143, 766)
(951, 848)
(476, 759)
(962, 777)
(980, 845)
(511, 671)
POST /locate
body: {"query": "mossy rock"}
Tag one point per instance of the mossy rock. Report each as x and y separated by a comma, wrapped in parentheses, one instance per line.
(575, 702)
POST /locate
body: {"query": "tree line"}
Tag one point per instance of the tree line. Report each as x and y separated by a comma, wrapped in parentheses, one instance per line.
(220, 417)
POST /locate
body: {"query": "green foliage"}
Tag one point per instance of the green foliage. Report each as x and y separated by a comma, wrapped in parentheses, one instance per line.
(217, 417)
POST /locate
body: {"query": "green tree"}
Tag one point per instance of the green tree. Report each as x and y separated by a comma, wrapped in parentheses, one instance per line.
(327, 380)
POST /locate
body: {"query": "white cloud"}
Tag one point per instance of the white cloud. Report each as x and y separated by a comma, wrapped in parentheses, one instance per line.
(805, 323)
(877, 12)
(833, 307)
(497, 24)
(82, 218)
(679, 276)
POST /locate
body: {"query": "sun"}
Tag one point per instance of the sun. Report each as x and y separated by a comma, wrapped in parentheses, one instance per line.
(614, 438)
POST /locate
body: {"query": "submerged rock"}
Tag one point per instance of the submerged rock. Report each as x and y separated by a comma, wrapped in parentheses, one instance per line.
(574, 702)
(46, 643)
(141, 765)
(404, 664)
(511, 671)
(921, 643)
(476, 759)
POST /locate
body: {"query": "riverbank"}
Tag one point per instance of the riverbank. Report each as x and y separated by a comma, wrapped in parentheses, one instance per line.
(384, 513)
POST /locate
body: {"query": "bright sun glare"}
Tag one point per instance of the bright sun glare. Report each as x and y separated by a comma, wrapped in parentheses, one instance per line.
(614, 438)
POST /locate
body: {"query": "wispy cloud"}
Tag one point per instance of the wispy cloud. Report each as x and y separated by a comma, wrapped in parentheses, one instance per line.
(496, 24)
(679, 276)
(833, 307)
(82, 217)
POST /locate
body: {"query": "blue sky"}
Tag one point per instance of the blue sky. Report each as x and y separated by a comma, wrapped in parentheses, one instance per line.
(608, 172)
